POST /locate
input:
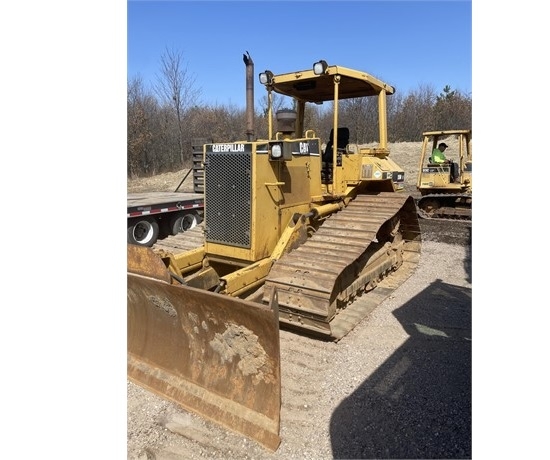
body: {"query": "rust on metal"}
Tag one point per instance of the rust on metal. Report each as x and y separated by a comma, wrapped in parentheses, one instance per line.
(143, 261)
(214, 355)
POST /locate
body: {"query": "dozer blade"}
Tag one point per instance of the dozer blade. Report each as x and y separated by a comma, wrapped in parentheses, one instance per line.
(215, 355)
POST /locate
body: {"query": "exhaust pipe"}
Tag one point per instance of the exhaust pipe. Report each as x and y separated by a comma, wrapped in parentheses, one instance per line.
(249, 96)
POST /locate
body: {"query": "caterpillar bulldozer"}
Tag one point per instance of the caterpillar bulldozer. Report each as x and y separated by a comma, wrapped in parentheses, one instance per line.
(288, 240)
(446, 188)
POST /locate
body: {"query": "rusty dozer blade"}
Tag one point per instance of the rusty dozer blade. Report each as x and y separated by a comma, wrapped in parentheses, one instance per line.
(214, 355)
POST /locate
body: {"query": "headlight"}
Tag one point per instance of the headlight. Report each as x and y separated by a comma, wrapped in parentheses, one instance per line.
(266, 78)
(320, 67)
(276, 151)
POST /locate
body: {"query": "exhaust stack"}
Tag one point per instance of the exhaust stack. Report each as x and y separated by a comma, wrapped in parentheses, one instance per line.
(249, 96)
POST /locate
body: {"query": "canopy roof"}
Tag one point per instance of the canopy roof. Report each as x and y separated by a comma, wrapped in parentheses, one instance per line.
(306, 86)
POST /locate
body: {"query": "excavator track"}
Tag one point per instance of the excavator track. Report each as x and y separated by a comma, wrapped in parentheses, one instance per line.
(444, 206)
(356, 259)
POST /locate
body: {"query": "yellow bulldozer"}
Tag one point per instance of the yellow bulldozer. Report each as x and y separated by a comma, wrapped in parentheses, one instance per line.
(294, 236)
(446, 188)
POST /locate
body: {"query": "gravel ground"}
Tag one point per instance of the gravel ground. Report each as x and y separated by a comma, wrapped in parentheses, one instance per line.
(397, 386)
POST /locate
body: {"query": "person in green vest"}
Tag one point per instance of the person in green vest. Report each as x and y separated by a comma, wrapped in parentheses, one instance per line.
(438, 157)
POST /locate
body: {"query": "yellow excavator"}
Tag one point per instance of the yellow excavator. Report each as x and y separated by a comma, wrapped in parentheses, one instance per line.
(294, 236)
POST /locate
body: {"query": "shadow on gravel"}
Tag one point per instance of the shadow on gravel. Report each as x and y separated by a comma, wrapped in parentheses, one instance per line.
(468, 258)
(418, 403)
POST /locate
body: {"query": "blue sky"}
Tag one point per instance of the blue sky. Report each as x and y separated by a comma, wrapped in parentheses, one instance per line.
(405, 43)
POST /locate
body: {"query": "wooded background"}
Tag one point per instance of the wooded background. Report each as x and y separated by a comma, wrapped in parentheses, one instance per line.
(165, 118)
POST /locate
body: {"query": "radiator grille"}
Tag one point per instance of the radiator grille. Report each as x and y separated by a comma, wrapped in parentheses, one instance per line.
(228, 197)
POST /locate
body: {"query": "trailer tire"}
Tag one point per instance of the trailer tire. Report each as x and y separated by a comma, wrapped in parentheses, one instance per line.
(143, 231)
(183, 222)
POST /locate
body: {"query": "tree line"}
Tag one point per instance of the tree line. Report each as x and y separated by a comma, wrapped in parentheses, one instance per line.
(164, 120)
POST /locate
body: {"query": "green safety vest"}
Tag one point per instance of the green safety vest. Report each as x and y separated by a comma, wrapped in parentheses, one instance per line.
(438, 156)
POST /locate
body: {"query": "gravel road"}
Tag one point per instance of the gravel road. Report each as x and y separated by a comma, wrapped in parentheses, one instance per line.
(397, 386)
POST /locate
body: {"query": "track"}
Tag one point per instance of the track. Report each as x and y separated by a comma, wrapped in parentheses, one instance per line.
(443, 206)
(357, 258)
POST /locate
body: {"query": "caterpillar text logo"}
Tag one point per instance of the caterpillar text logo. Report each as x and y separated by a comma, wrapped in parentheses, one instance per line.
(228, 148)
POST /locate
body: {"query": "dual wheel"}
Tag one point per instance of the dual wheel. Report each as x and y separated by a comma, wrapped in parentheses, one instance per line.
(145, 231)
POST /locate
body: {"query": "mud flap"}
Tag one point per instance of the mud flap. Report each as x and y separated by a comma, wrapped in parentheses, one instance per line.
(214, 355)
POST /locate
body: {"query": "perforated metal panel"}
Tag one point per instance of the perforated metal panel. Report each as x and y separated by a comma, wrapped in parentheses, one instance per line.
(228, 194)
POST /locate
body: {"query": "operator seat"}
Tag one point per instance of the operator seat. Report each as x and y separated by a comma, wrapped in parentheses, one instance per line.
(343, 140)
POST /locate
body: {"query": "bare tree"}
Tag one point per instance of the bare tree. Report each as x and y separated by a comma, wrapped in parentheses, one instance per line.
(360, 115)
(413, 115)
(161, 129)
(176, 88)
(452, 110)
(139, 127)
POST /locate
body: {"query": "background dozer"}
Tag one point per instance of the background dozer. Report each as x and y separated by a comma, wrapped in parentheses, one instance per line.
(446, 189)
(293, 236)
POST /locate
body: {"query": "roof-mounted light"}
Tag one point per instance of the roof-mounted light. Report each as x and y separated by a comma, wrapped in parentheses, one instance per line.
(266, 78)
(319, 68)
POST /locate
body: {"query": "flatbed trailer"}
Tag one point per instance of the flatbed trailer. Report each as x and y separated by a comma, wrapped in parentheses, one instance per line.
(156, 215)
